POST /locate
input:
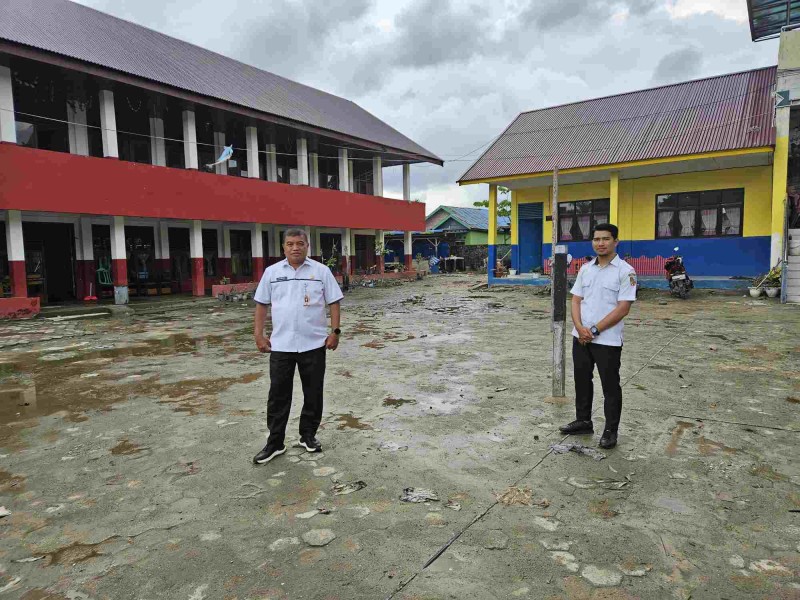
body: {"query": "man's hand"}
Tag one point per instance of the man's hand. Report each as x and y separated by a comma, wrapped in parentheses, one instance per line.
(584, 335)
(332, 342)
(263, 344)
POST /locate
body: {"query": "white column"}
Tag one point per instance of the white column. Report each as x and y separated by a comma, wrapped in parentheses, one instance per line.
(257, 241)
(158, 148)
(407, 245)
(87, 245)
(310, 238)
(344, 176)
(164, 239)
(253, 169)
(377, 176)
(302, 161)
(275, 242)
(108, 124)
(189, 140)
(15, 245)
(351, 176)
(8, 127)
(219, 145)
(226, 242)
(347, 236)
(76, 128)
(272, 163)
(313, 169)
(380, 237)
(407, 182)
(118, 252)
(318, 241)
(196, 239)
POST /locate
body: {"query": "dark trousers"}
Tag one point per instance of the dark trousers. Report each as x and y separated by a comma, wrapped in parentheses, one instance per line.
(311, 365)
(607, 359)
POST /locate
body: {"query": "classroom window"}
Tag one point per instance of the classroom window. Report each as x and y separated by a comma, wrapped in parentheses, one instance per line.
(577, 220)
(712, 213)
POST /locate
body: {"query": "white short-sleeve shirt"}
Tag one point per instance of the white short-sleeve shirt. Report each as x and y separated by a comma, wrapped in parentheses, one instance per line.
(600, 288)
(298, 298)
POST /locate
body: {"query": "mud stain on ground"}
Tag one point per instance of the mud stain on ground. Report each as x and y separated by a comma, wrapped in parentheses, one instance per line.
(350, 421)
(74, 553)
(793, 400)
(677, 434)
(125, 448)
(708, 447)
(374, 344)
(11, 483)
(398, 402)
(767, 472)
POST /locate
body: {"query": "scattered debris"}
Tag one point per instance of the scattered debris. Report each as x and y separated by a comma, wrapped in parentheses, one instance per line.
(11, 584)
(392, 447)
(502, 389)
(453, 505)
(31, 559)
(340, 489)
(769, 567)
(418, 495)
(578, 448)
(586, 484)
(4, 512)
(515, 496)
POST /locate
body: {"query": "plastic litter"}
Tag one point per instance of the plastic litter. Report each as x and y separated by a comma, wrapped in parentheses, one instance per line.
(578, 448)
(418, 495)
(340, 489)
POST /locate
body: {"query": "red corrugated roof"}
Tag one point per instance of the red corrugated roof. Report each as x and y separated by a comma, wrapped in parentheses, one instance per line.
(727, 112)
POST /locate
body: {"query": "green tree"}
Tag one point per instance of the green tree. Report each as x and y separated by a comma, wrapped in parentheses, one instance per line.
(503, 204)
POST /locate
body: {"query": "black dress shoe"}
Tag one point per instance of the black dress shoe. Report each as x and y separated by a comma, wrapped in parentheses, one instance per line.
(609, 439)
(310, 443)
(577, 428)
(268, 453)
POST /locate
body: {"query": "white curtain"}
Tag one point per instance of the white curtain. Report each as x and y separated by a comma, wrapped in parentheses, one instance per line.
(664, 228)
(565, 225)
(585, 223)
(731, 221)
(709, 220)
(687, 222)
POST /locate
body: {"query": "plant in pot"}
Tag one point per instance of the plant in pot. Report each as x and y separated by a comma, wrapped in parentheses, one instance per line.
(772, 282)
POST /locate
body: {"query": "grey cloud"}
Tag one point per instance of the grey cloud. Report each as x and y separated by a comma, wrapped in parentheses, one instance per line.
(679, 65)
(545, 15)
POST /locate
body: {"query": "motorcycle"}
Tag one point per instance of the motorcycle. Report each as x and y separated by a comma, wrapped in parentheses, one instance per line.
(679, 281)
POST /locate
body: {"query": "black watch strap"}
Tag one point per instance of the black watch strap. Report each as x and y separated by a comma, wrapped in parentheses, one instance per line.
(595, 330)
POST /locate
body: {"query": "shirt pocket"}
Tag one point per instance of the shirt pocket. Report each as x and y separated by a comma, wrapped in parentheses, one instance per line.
(610, 291)
(316, 295)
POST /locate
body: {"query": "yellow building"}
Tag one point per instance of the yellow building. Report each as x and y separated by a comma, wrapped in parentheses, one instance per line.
(687, 165)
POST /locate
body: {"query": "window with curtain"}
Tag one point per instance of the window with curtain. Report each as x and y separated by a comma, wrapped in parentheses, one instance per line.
(711, 213)
(576, 220)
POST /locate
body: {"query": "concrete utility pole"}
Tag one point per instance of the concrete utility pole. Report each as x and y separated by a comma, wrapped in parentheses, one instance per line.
(558, 295)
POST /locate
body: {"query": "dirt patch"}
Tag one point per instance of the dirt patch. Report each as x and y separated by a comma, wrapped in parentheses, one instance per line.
(557, 400)
(9, 483)
(793, 400)
(767, 472)
(677, 434)
(350, 421)
(708, 447)
(125, 448)
(74, 553)
(602, 509)
(398, 402)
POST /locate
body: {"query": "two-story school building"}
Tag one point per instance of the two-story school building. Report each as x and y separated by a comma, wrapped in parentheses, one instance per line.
(109, 181)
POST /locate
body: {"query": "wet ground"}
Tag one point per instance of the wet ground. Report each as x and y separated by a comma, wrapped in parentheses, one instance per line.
(125, 448)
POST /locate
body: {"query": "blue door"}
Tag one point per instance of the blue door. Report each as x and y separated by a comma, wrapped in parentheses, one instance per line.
(530, 237)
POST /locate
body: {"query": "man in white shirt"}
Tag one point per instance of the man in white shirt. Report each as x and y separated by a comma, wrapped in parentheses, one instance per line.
(602, 297)
(298, 290)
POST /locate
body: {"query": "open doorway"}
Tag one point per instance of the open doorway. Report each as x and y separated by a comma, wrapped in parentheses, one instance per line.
(50, 261)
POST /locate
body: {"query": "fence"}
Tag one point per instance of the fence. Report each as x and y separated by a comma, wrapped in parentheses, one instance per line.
(643, 265)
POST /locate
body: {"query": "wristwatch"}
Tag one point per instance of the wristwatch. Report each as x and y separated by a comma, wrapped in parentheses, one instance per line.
(595, 331)
(337, 331)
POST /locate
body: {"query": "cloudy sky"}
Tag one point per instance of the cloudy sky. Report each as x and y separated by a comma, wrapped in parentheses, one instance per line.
(452, 74)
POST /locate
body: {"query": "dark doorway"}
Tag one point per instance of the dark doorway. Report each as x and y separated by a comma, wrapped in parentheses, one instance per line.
(141, 259)
(241, 256)
(365, 252)
(210, 253)
(330, 247)
(180, 259)
(50, 261)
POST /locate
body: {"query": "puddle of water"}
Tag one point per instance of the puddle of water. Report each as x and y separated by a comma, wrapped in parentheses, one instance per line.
(677, 434)
(350, 421)
(398, 402)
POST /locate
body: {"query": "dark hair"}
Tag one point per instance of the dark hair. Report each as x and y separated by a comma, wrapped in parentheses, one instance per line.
(296, 232)
(612, 229)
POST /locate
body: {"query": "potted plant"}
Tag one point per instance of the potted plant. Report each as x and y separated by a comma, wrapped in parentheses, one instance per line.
(772, 282)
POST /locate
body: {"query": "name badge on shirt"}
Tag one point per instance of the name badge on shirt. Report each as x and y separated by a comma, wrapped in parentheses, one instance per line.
(282, 279)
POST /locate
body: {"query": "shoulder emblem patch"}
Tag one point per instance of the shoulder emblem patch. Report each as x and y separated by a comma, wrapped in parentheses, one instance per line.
(632, 278)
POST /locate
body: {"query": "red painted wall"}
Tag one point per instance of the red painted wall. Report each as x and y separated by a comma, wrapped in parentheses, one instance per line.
(42, 180)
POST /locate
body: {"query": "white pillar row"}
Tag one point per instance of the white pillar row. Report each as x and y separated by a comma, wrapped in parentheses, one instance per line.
(108, 124)
(302, 161)
(77, 129)
(344, 176)
(257, 241)
(272, 163)
(8, 127)
(158, 147)
(351, 176)
(313, 169)
(157, 244)
(253, 168)
(119, 253)
(377, 176)
(219, 145)
(163, 240)
(189, 140)
(407, 182)
(14, 240)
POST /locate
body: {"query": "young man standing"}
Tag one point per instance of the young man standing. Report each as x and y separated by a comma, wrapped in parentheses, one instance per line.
(602, 297)
(298, 289)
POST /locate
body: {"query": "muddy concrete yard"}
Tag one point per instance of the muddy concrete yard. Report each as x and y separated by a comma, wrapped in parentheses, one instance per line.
(126, 446)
